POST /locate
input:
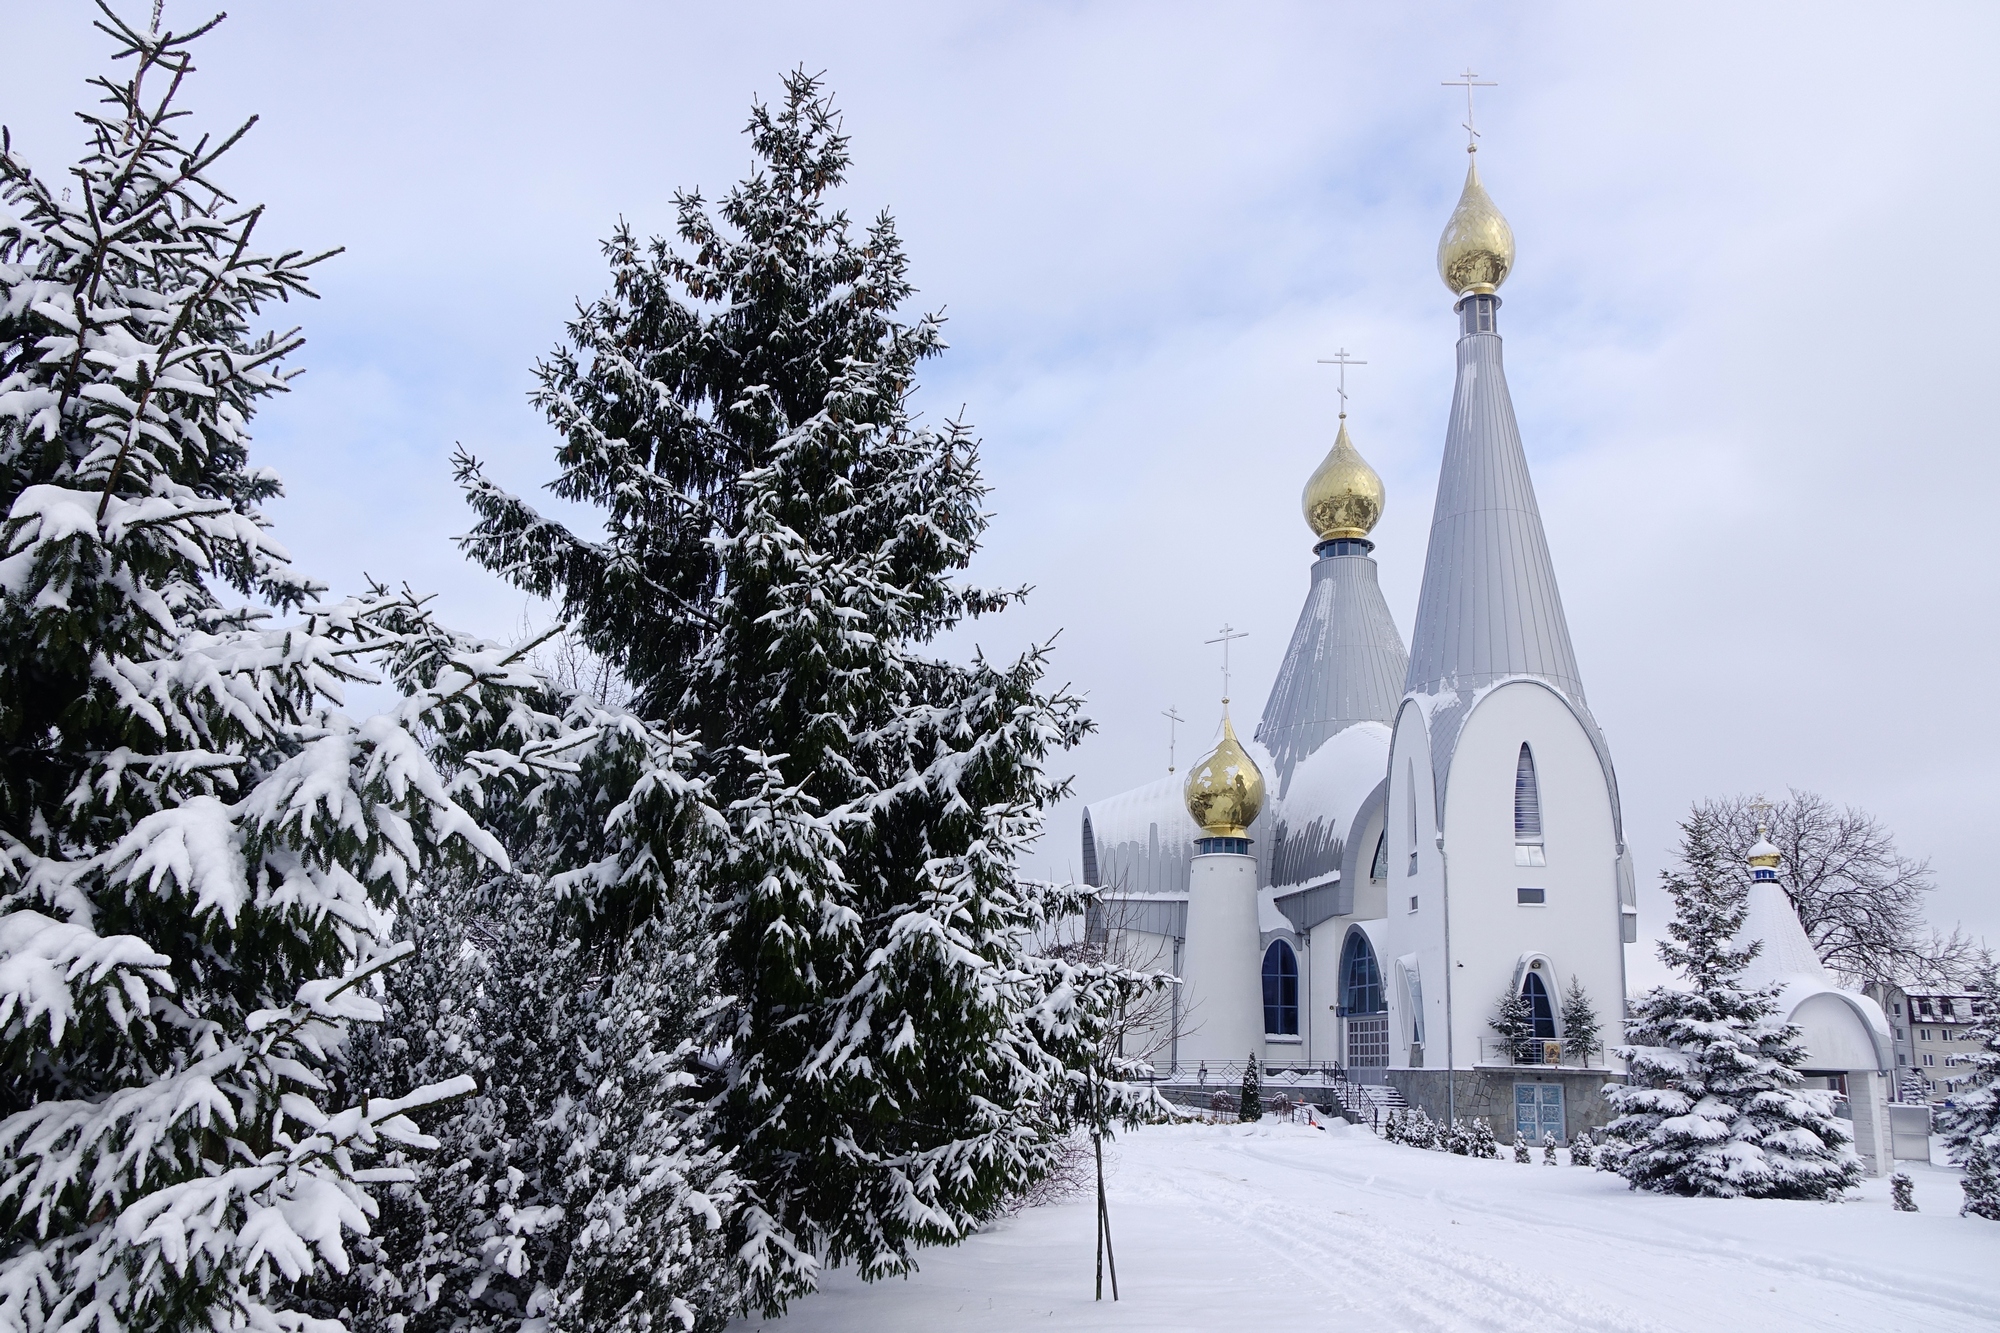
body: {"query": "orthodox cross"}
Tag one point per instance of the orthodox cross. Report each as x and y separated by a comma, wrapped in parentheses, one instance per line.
(1228, 632)
(1470, 80)
(1342, 360)
(1762, 809)
(1173, 717)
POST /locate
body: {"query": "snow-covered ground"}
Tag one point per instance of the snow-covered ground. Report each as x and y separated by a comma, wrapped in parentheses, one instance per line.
(1278, 1226)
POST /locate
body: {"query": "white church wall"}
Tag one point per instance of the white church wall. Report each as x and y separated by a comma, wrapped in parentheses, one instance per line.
(1322, 957)
(1576, 926)
(1412, 913)
(1221, 963)
(1371, 896)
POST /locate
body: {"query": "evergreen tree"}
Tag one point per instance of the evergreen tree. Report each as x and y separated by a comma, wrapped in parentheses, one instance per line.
(199, 850)
(1250, 1101)
(1981, 1182)
(1713, 1106)
(1970, 1121)
(1549, 1150)
(1580, 1150)
(1903, 1192)
(1514, 1020)
(1521, 1153)
(578, 1187)
(1582, 1033)
(781, 541)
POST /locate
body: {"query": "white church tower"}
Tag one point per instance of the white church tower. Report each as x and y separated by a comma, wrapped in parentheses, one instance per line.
(1506, 864)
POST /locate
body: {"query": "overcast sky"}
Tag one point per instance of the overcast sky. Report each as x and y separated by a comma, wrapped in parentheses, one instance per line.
(1746, 333)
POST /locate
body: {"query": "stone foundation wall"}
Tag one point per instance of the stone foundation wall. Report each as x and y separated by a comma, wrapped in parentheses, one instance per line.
(1488, 1094)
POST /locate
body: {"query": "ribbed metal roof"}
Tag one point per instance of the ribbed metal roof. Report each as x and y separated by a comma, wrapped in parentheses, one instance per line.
(1489, 607)
(1345, 665)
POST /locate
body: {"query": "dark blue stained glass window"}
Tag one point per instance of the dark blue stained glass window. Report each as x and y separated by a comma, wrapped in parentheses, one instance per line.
(1539, 1009)
(1281, 990)
(1360, 978)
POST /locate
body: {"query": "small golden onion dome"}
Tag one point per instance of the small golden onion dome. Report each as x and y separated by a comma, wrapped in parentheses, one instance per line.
(1476, 252)
(1225, 791)
(1763, 855)
(1343, 497)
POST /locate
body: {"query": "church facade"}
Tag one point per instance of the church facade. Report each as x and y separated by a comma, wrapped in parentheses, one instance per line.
(1412, 840)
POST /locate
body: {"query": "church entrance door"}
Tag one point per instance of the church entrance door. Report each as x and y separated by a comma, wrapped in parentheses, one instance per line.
(1538, 1111)
(1368, 1042)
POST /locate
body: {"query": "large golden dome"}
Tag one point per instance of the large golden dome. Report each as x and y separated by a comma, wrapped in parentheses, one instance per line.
(1476, 252)
(1225, 791)
(1343, 497)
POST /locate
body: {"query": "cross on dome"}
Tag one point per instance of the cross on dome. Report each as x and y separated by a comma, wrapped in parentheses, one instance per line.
(1470, 79)
(1343, 360)
(1228, 633)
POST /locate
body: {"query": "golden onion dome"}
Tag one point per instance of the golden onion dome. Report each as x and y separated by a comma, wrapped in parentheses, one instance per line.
(1225, 791)
(1763, 855)
(1476, 252)
(1343, 497)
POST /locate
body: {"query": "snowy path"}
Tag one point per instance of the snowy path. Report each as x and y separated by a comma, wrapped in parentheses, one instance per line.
(1283, 1226)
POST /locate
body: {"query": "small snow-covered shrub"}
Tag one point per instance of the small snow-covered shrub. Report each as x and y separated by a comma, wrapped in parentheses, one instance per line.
(1549, 1150)
(1480, 1141)
(1580, 1150)
(1903, 1192)
(1521, 1153)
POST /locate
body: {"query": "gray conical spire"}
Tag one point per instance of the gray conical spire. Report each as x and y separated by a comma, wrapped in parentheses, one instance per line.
(1345, 664)
(1489, 607)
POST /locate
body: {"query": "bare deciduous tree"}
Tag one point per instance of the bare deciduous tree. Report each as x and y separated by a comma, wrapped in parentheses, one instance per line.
(1859, 898)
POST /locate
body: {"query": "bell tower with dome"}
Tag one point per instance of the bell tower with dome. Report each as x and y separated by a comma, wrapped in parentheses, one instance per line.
(1508, 867)
(1225, 794)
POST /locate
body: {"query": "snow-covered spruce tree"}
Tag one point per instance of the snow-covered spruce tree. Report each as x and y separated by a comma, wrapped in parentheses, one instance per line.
(1903, 1192)
(1250, 1097)
(578, 1186)
(1582, 1033)
(781, 540)
(198, 849)
(1514, 1020)
(1713, 1106)
(1971, 1119)
(1981, 1182)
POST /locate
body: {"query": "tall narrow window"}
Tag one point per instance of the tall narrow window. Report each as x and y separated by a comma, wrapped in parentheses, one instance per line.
(1281, 990)
(1540, 1011)
(1527, 812)
(1379, 867)
(1410, 785)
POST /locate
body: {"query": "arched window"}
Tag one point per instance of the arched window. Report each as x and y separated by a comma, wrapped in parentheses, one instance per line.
(1360, 978)
(1527, 800)
(1281, 990)
(1540, 1011)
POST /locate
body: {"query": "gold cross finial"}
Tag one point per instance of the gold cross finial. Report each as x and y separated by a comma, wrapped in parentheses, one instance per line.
(1228, 633)
(1469, 80)
(1174, 718)
(1762, 809)
(1343, 360)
